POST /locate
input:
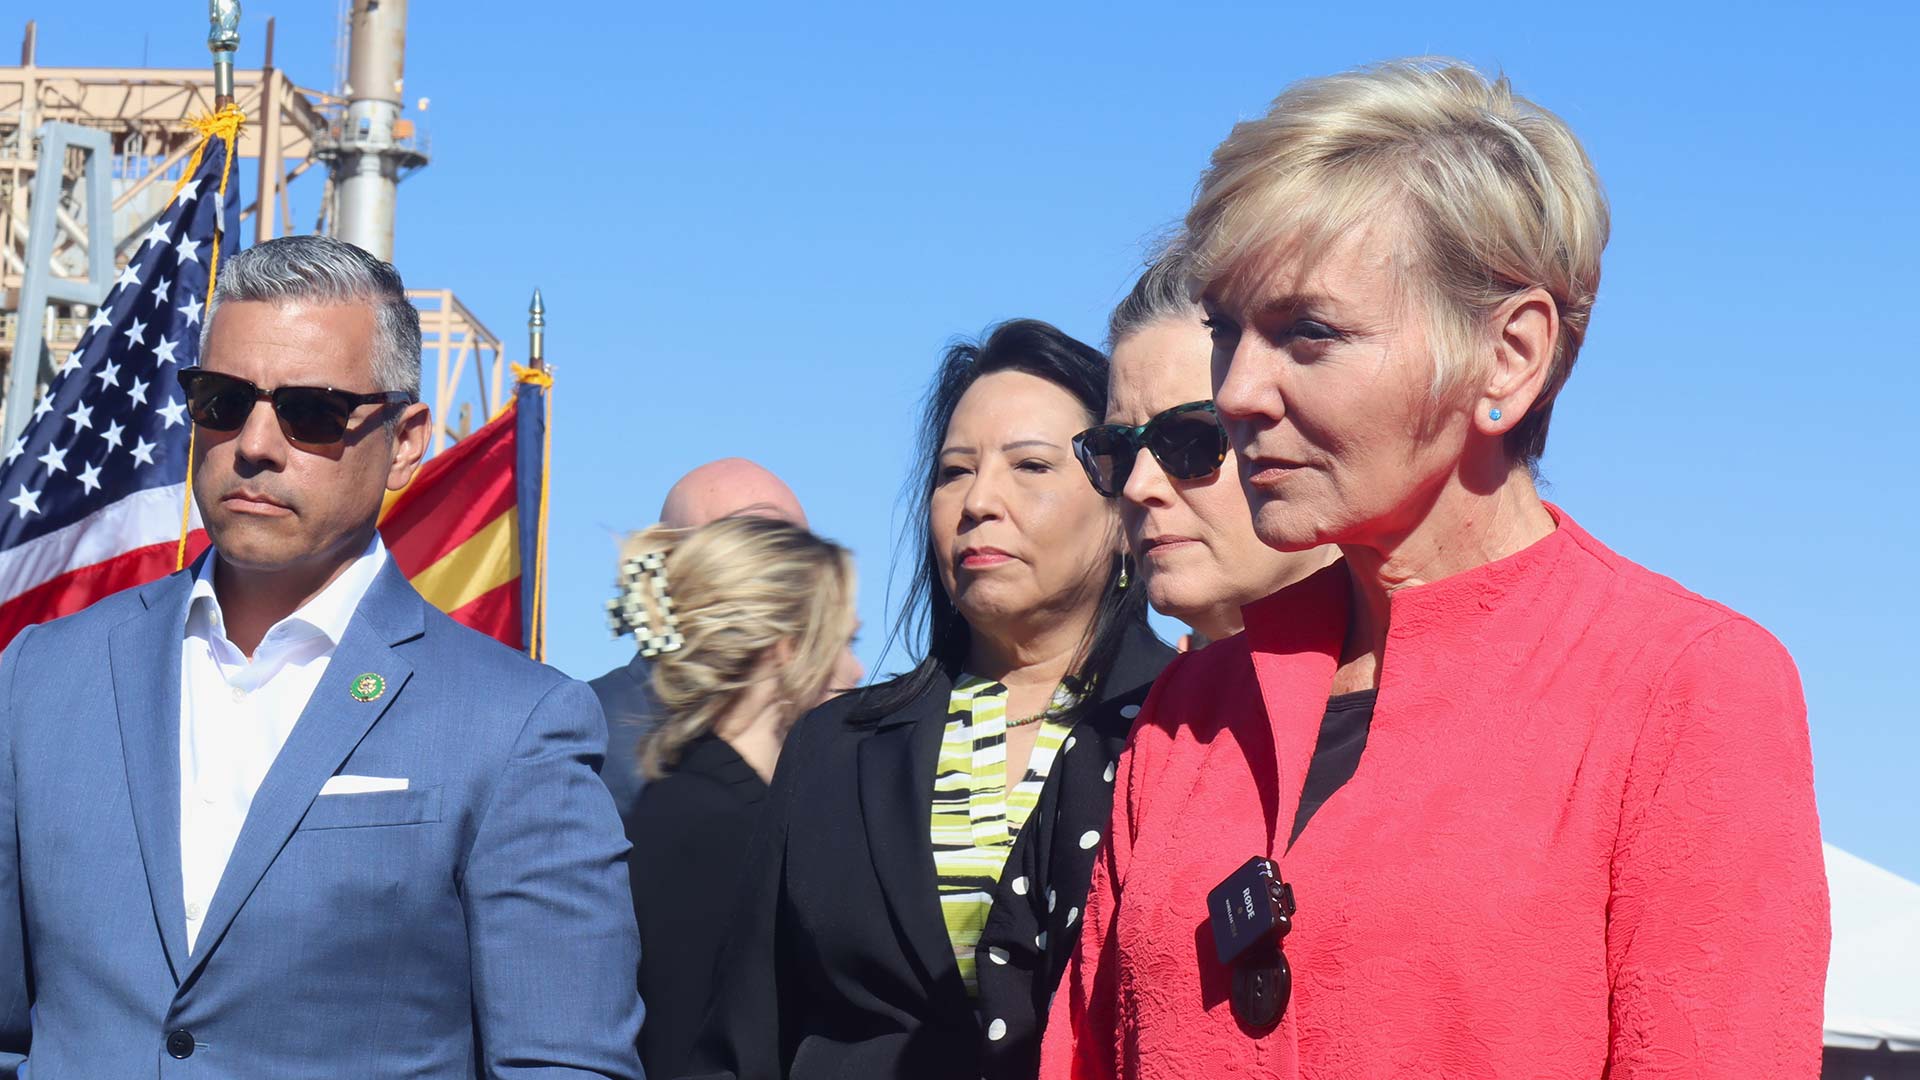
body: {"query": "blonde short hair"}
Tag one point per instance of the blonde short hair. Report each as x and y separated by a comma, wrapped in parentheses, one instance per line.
(1499, 196)
(739, 587)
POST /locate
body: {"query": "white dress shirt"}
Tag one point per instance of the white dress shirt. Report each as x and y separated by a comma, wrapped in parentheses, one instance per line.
(236, 713)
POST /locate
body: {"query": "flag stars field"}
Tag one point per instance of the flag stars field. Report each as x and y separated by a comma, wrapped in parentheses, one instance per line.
(96, 482)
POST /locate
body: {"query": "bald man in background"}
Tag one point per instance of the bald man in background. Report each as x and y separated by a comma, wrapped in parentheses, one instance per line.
(730, 487)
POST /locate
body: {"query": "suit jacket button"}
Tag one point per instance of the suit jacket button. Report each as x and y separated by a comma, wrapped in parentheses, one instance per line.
(180, 1043)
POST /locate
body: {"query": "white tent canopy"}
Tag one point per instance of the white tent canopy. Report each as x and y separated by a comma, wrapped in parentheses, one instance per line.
(1873, 979)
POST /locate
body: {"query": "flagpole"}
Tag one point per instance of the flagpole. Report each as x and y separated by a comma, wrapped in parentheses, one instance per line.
(223, 40)
(537, 360)
(536, 332)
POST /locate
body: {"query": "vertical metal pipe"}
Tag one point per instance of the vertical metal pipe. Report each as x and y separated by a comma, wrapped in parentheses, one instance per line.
(266, 222)
(366, 173)
(223, 40)
(29, 114)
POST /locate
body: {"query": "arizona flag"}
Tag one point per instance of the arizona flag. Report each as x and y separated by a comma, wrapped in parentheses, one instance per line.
(468, 531)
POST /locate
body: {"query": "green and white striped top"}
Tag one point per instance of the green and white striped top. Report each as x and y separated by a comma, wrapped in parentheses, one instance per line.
(975, 817)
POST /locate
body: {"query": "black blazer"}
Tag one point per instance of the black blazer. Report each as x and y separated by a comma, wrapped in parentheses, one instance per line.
(626, 696)
(839, 963)
(689, 831)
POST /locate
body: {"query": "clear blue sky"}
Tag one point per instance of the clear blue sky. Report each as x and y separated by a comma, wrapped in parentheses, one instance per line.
(757, 225)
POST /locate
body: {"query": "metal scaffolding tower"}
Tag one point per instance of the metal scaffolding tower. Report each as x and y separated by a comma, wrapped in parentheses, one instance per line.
(357, 135)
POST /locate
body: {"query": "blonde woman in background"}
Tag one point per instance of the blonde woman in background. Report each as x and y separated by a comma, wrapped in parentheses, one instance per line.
(748, 623)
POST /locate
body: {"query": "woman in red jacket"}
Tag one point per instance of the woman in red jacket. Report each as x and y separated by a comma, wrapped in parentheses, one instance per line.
(1539, 812)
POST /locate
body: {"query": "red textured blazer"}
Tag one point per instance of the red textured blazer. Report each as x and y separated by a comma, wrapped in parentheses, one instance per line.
(1581, 843)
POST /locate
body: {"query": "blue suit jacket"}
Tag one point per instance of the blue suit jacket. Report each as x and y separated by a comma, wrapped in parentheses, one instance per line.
(626, 696)
(476, 924)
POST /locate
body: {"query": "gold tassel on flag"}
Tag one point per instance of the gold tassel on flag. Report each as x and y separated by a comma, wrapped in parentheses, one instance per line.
(223, 125)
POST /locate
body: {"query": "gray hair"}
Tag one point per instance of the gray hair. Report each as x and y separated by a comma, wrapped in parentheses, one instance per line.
(1163, 293)
(329, 271)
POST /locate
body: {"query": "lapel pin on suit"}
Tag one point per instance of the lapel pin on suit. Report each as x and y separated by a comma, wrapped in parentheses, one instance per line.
(369, 687)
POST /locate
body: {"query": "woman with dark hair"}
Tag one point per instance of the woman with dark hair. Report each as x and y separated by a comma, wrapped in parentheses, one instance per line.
(929, 841)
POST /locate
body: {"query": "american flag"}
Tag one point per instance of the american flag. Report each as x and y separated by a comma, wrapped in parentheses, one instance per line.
(91, 492)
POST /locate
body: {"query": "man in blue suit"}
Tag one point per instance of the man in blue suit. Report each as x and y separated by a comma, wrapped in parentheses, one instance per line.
(275, 816)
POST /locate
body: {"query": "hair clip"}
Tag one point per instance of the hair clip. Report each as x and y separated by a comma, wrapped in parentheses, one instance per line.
(641, 578)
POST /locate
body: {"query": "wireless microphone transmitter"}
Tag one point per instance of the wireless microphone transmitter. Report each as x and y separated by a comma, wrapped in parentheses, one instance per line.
(1250, 907)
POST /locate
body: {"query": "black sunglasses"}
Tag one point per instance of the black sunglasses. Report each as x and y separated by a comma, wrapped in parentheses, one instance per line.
(1187, 440)
(317, 415)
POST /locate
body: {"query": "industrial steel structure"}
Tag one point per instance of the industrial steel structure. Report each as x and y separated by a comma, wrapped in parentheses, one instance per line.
(52, 120)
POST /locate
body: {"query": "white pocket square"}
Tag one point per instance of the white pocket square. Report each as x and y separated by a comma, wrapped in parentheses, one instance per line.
(360, 785)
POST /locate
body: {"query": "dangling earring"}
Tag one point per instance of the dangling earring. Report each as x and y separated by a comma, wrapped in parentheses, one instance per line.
(1123, 571)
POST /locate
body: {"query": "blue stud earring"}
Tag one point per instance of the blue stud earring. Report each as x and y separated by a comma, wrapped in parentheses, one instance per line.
(1493, 414)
